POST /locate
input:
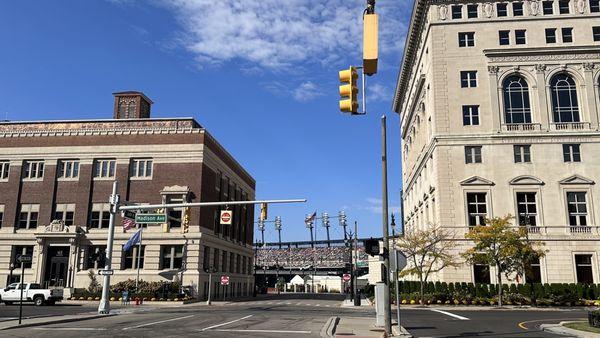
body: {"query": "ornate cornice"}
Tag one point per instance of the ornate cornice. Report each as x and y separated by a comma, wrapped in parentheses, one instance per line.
(543, 54)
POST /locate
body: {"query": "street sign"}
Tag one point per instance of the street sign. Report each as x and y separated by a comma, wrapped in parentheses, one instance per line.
(224, 280)
(106, 272)
(400, 261)
(346, 277)
(151, 218)
(226, 217)
(129, 214)
(24, 259)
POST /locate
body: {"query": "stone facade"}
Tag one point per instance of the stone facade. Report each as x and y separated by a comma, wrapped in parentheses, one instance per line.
(499, 106)
(59, 214)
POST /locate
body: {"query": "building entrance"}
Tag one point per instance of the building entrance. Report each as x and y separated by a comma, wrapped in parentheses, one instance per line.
(57, 265)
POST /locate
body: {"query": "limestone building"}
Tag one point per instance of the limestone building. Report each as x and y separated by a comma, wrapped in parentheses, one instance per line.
(499, 106)
(56, 178)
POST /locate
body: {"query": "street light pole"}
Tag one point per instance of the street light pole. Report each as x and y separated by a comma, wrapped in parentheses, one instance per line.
(325, 221)
(278, 228)
(387, 309)
(104, 307)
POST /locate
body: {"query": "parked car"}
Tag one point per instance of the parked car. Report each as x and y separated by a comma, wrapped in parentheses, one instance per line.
(32, 292)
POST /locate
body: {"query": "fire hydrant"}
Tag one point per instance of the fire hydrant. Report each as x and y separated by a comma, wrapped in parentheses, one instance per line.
(137, 300)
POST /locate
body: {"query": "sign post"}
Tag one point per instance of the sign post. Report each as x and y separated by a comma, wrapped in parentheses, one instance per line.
(226, 217)
(22, 259)
(225, 283)
(151, 218)
(346, 277)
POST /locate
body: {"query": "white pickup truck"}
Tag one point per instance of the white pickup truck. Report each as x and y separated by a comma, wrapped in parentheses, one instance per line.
(31, 293)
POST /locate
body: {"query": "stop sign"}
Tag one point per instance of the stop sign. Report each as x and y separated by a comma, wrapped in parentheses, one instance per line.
(224, 280)
(346, 277)
(226, 217)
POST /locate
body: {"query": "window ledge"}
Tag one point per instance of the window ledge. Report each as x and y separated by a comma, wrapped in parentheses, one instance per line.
(104, 178)
(33, 179)
(62, 179)
(140, 178)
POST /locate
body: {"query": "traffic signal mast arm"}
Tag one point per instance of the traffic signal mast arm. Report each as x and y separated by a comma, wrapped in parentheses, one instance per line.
(205, 204)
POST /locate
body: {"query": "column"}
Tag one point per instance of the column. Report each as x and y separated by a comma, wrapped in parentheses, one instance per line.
(542, 89)
(591, 89)
(494, 98)
(39, 261)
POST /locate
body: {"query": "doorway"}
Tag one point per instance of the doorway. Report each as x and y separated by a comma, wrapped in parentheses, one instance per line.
(57, 265)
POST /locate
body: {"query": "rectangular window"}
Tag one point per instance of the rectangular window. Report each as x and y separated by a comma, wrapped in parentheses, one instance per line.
(596, 33)
(130, 257)
(504, 38)
(100, 215)
(563, 6)
(457, 12)
(206, 259)
(96, 257)
(244, 266)
(472, 154)
(68, 169)
(4, 170)
(520, 37)
(33, 170)
(476, 208)
(547, 7)
(501, 9)
(1, 214)
(533, 271)
(105, 168)
(594, 6)
(550, 35)
(567, 34)
(517, 8)
(224, 261)
(583, 266)
(466, 39)
(481, 273)
(171, 256)
(18, 250)
(577, 208)
(571, 153)
(468, 79)
(238, 264)
(231, 262)
(470, 115)
(472, 11)
(522, 153)
(216, 259)
(527, 208)
(65, 213)
(141, 168)
(28, 217)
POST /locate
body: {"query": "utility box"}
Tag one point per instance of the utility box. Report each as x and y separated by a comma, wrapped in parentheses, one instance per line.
(379, 304)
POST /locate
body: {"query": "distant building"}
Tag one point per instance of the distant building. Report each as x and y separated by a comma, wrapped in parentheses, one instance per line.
(499, 104)
(56, 178)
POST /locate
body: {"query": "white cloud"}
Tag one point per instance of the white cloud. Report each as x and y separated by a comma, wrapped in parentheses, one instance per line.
(302, 92)
(378, 92)
(375, 205)
(306, 91)
(278, 35)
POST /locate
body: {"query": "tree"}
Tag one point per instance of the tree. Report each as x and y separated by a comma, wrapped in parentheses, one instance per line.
(427, 252)
(94, 285)
(498, 244)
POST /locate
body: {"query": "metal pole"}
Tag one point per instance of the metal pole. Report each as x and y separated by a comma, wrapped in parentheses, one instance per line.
(21, 287)
(279, 233)
(328, 244)
(364, 91)
(104, 306)
(386, 245)
(209, 286)
(350, 256)
(139, 253)
(397, 283)
(205, 204)
(355, 275)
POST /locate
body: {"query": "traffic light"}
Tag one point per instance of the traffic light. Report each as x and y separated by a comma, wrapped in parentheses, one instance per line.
(370, 45)
(372, 246)
(185, 222)
(348, 90)
(263, 211)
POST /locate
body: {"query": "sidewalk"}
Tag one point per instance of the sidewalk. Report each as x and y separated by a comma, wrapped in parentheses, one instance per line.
(364, 327)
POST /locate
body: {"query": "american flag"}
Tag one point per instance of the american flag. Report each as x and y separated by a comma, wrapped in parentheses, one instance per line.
(128, 223)
(311, 217)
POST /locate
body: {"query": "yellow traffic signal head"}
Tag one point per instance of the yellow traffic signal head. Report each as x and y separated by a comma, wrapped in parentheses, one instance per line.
(263, 211)
(348, 90)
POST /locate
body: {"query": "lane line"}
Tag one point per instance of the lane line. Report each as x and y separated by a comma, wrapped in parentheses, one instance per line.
(450, 314)
(227, 323)
(158, 322)
(522, 324)
(263, 331)
(70, 328)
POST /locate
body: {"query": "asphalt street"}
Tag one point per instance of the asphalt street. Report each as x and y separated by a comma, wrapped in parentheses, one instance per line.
(10, 312)
(289, 317)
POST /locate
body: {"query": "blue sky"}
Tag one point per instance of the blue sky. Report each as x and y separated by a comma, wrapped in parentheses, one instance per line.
(261, 76)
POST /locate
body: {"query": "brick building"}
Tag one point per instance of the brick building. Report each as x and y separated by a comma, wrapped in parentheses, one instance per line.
(56, 178)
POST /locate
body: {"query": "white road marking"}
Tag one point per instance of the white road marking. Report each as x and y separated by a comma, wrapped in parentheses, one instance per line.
(450, 314)
(288, 303)
(327, 305)
(264, 331)
(318, 305)
(298, 303)
(227, 323)
(159, 322)
(70, 328)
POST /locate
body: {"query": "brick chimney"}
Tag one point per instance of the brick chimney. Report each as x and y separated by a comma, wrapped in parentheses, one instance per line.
(131, 105)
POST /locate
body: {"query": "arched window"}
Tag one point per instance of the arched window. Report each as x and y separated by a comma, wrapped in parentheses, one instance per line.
(517, 108)
(131, 110)
(564, 98)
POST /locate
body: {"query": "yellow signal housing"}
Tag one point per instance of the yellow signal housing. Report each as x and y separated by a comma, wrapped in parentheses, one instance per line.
(370, 43)
(186, 221)
(348, 90)
(263, 211)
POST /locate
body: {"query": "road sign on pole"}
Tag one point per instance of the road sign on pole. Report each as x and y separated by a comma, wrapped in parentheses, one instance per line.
(346, 277)
(224, 280)
(24, 259)
(106, 272)
(226, 217)
(129, 214)
(151, 218)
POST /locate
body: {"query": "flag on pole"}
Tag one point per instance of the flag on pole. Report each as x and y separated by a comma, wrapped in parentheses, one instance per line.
(311, 217)
(133, 240)
(128, 223)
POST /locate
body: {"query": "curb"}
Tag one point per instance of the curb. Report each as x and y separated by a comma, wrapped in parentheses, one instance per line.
(328, 329)
(565, 331)
(402, 333)
(54, 321)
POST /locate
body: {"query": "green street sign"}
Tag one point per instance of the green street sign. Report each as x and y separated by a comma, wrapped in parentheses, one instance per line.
(151, 218)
